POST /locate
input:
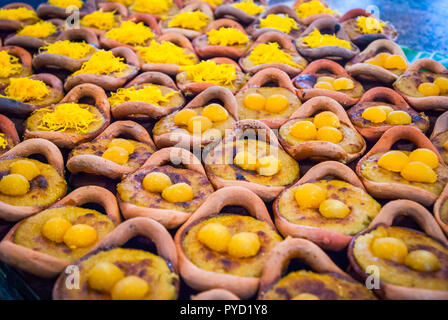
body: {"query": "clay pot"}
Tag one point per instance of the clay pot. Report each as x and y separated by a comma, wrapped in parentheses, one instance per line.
(358, 67)
(94, 164)
(205, 50)
(388, 97)
(310, 19)
(438, 210)
(316, 149)
(145, 110)
(280, 9)
(13, 25)
(424, 103)
(267, 76)
(46, 10)
(23, 109)
(199, 279)
(45, 265)
(25, 60)
(111, 81)
(327, 52)
(391, 190)
(215, 294)
(306, 80)
(70, 140)
(438, 138)
(146, 18)
(120, 13)
(227, 10)
(430, 228)
(285, 44)
(9, 131)
(189, 87)
(45, 60)
(168, 218)
(171, 69)
(192, 142)
(349, 23)
(191, 6)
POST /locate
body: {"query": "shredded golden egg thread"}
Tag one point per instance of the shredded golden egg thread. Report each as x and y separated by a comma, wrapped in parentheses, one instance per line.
(316, 39)
(99, 20)
(307, 9)
(368, 25)
(26, 90)
(192, 20)
(165, 52)
(41, 29)
(249, 7)
(3, 141)
(150, 94)
(102, 62)
(210, 72)
(152, 6)
(131, 33)
(9, 64)
(66, 3)
(270, 53)
(18, 14)
(284, 24)
(74, 50)
(226, 37)
(214, 2)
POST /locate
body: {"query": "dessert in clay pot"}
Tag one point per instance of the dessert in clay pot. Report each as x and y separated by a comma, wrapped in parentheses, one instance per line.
(108, 16)
(8, 134)
(121, 148)
(321, 130)
(36, 35)
(149, 95)
(411, 264)
(273, 50)
(200, 123)
(328, 205)
(325, 280)
(114, 272)
(310, 10)
(325, 38)
(161, 9)
(49, 241)
(168, 188)
(28, 186)
(327, 78)
(380, 109)
(441, 210)
(244, 11)
(390, 173)
(363, 27)
(268, 96)
(250, 156)
(226, 250)
(58, 8)
(424, 90)
(439, 136)
(16, 15)
(71, 122)
(382, 61)
(16, 63)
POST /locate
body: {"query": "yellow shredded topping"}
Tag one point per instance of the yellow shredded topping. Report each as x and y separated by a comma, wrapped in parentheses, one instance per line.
(66, 3)
(226, 37)
(18, 14)
(213, 2)
(316, 39)
(74, 50)
(126, 3)
(102, 62)
(3, 141)
(165, 52)
(26, 89)
(9, 64)
(131, 33)
(370, 25)
(99, 20)
(308, 9)
(193, 20)
(41, 29)
(66, 116)
(284, 24)
(152, 6)
(210, 72)
(150, 94)
(249, 7)
(269, 53)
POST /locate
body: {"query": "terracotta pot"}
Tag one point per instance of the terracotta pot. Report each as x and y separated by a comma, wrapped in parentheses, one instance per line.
(94, 164)
(391, 190)
(215, 294)
(45, 60)
(23, 109)
(145, 110)
(267, 76)
(26, 148)
(205, 50)
(349, 23)
(280, 9)
(325, 238)
(327, 52)
(310, 19)
(25, 60)
(430, 228)
(438, 135)
(438, 208)
(227, 10)
(171, 69)
(424, 103)
(191, 6)
(321, 150)
(46, 10)
(124, 232)
(285, 44)
(12, 25)
(383, 96)
(306, 80)
(70, 140)
(9, 131)
(199, 279)
(168, 218)
(191, 142)
(111, 81)
(358, 67)
(120, 13)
